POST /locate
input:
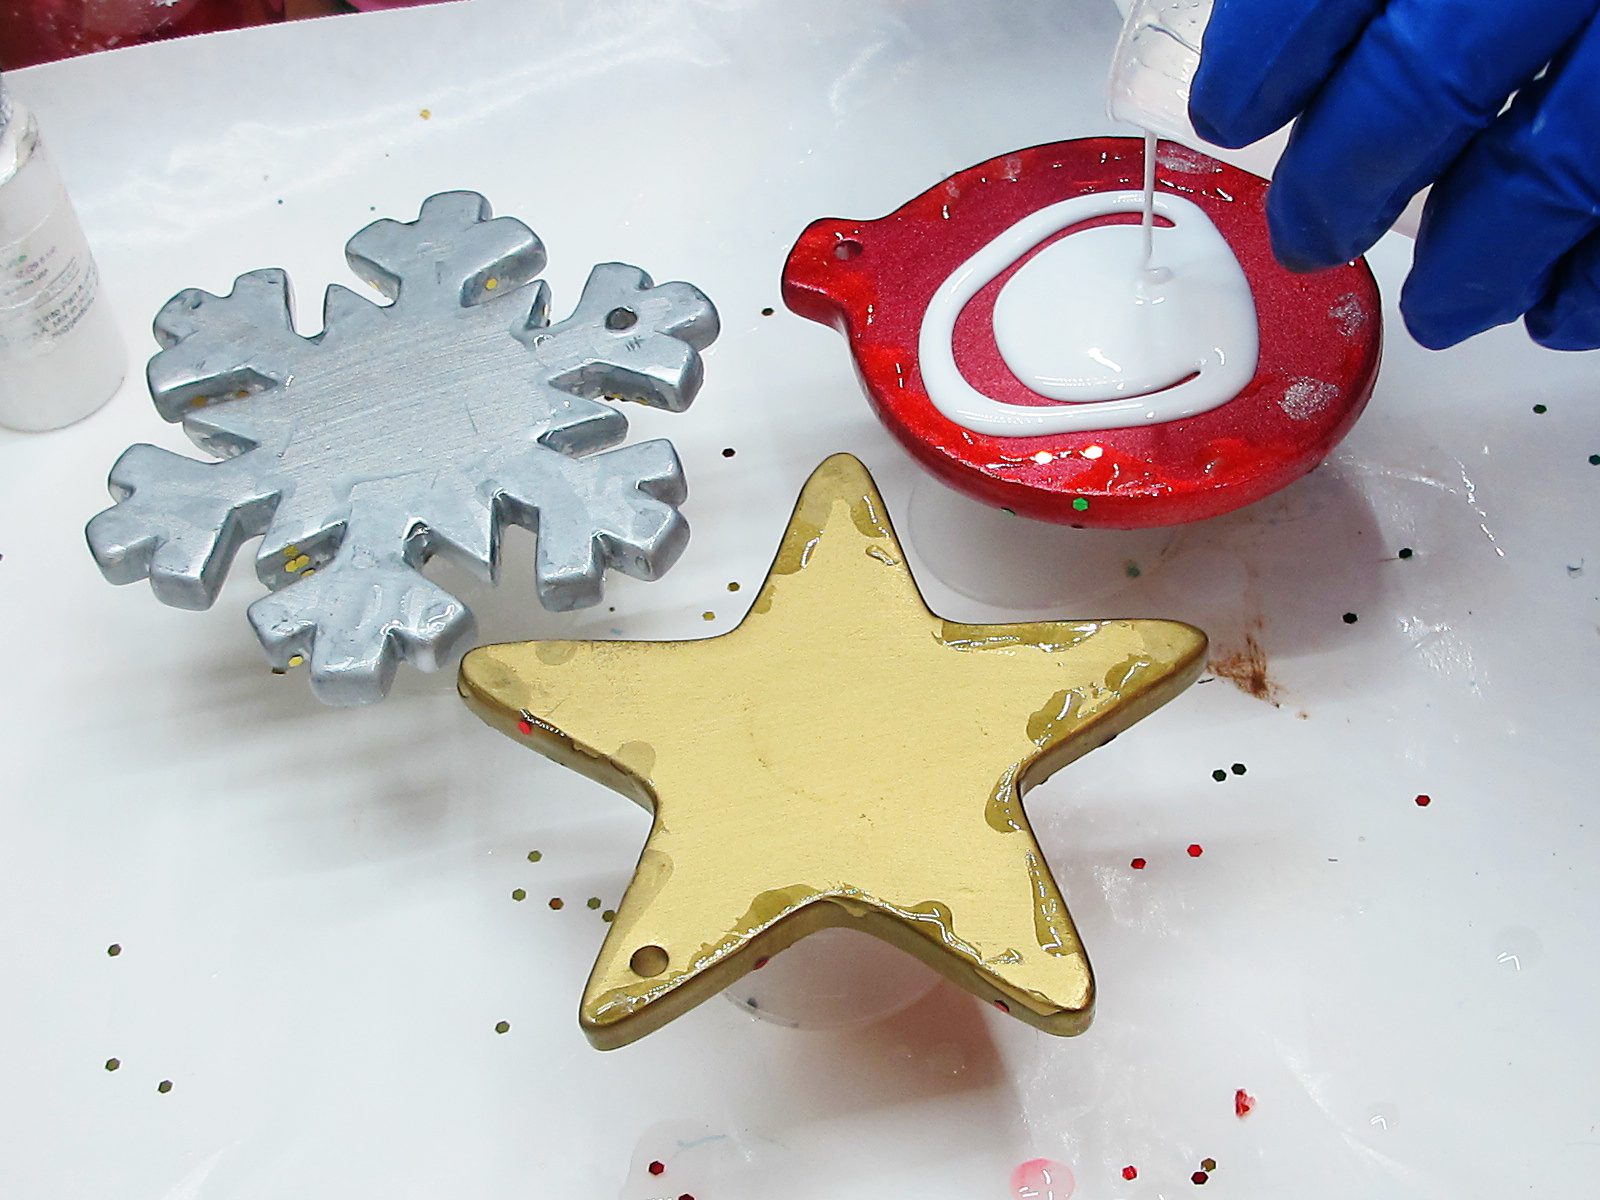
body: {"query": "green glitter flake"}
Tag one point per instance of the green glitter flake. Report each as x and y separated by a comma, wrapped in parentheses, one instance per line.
(594, 901)
(1219, 774)
(1080, 505)
(534, 855)
(113, 1063)
(1133, 570)
(113, 950)
(518, 894)
(1540, 408)
(502, 1026)
(609, 915)
(164, 1086)
(1406, 551)
(1594, 460)
(1238, 768)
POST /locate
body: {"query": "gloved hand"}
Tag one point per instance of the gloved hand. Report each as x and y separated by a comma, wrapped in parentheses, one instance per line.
(1395, 94)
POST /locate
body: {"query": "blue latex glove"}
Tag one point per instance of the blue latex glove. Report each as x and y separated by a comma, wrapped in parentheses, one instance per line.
(1395, 95)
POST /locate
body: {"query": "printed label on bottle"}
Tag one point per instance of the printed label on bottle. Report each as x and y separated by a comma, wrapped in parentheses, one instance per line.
(48, 282)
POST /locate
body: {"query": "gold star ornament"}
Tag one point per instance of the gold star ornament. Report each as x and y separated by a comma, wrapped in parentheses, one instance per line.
(843, 757)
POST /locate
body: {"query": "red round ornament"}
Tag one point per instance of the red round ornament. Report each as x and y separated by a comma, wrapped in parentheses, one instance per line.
(1320, 339)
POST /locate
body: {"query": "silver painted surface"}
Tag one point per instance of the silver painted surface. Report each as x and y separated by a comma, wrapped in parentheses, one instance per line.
(403, 431)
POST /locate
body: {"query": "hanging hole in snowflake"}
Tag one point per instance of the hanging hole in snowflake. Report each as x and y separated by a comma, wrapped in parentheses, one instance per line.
(194, 300)
(847, 249)
(619, 319)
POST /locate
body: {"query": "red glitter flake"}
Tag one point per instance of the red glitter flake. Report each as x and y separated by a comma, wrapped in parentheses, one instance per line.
(1243, 1102)
(1137, 864)
(524, 727)
(656, 1168)
(1002, 1006)
(1424, 801)
(1130, 1173)
(761, 962)
(686, 1196)
(1199, 1177)
(1196, 850)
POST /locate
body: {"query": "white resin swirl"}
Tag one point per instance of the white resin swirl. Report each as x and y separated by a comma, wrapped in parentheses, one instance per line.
(1086, 323)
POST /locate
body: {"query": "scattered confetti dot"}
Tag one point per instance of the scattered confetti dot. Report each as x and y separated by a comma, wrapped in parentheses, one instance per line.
(1594, 460)
(1002, 1006)
(1219, 774)
(1130, 1173)
(761, 962)
(518, 894)
(1133, 570)
(491, 284)
(609, 915)
(502, 1026)
(164, 1086)
(1237, 768)
(733, 587)
(1042, 1179)
(1199, 1177)
(656, 1168)
(556, 902)
(594, 901)
(524, 727)
(296, 660)
(708, 616)
(1350, 618)
(1080, 505)
(114, 949)
(767, 312)
(535, 855)
(686, 1196)
(1137, 864)
(1540, 408)
(1406, 551)
(113, 1063)
(727, 452)
(426, 114)
(1208, 1164)
(1196, 850)
(1243, 1102)
(1424, 800)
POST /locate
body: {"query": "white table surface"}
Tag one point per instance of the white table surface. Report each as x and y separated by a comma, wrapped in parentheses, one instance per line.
(314, 906)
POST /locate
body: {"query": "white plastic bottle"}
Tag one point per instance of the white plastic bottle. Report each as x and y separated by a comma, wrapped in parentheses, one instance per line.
(61, 355)
(1151, 70)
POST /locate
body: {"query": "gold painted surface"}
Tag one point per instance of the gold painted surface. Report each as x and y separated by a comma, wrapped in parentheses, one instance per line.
(843, 757)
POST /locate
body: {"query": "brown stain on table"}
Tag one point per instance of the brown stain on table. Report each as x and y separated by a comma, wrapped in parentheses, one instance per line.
(1246, 668)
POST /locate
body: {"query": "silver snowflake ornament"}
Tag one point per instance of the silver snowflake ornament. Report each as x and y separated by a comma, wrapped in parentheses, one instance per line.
(406, 430)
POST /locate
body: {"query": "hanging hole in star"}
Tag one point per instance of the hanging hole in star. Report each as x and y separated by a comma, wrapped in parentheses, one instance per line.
(619, 319)
(847, 249)
(648, 962)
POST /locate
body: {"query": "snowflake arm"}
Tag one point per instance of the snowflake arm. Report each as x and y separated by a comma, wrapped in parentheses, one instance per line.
(178, 522)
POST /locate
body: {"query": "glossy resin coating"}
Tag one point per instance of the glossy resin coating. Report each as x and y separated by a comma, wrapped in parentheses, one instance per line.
(843, 757)
(1320, 338)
